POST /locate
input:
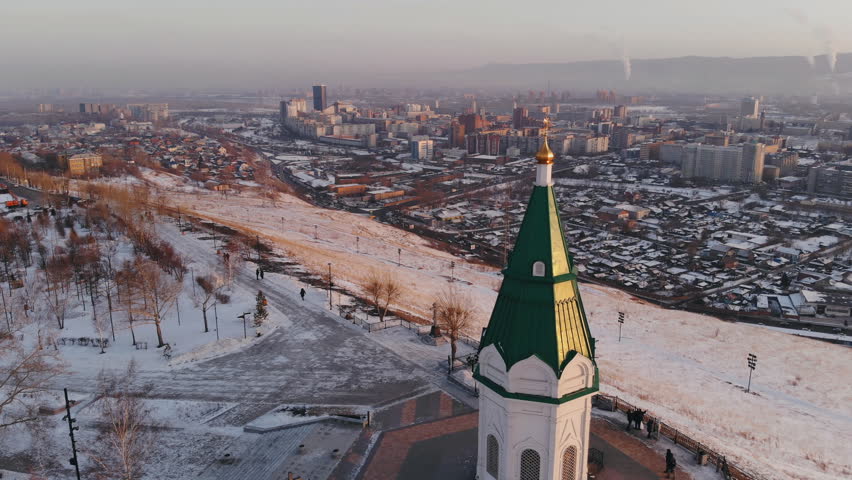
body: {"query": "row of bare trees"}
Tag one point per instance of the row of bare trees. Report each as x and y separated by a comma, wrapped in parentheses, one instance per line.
(454, 310)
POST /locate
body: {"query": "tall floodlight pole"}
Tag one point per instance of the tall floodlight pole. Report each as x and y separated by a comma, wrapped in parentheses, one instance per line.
(71, 428)
(620, 323)
(752, 364)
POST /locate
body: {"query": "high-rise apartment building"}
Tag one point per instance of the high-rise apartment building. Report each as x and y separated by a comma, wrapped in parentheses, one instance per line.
(320, 100)
(754, 155)
(750, 107)
(291, 108)
(740, 164)
(456, 134)
(833, 179)
(519, 118)
(422, 148)
(620, 111)
(472, 122)
(787, 161)
(149, 112)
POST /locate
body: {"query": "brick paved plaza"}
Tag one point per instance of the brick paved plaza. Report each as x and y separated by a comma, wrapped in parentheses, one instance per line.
(446, 449)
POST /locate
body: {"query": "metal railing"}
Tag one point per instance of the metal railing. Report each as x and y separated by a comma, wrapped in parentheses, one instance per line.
(726, 469)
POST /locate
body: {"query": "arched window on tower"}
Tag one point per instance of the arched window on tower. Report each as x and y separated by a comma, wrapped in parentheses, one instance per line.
(530, 465)
(569, 463)
(492, 456)
(538, 269)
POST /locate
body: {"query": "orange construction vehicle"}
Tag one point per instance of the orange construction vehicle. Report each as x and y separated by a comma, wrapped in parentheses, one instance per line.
(11, 200)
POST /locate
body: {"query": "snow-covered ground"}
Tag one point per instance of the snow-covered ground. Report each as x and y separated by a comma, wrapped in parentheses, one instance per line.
(183, 328)
(689, 369)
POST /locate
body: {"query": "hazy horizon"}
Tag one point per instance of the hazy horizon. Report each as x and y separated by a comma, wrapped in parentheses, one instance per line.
(260, 43)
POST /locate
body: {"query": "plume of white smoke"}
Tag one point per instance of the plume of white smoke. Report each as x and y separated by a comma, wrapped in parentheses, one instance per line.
(831, 53)
(810, 60)
(821, 34)
(628, 67)
(625, 60)
(801, 18)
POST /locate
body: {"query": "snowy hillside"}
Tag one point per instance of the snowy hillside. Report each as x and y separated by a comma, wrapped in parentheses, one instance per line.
(690, 369)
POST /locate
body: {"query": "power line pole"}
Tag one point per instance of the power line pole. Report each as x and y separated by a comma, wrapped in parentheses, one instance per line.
(71, 428)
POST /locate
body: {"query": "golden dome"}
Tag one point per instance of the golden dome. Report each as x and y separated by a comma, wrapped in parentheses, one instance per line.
(545, 156)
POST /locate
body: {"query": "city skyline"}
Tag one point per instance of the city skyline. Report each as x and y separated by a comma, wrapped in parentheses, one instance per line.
(212, 44)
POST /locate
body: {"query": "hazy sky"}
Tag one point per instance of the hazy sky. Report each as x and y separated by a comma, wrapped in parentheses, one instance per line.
(211, 43)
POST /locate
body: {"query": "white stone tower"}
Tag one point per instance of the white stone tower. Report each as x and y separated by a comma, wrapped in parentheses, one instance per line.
(536, 362)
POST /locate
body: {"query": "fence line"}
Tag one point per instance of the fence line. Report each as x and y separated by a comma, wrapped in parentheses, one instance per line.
(679, 438)
(378, 326)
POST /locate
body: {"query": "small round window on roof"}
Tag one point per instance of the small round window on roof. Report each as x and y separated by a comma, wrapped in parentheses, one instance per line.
(538, 269)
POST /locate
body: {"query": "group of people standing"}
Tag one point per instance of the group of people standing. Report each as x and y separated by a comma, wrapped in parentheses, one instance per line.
(635, 417)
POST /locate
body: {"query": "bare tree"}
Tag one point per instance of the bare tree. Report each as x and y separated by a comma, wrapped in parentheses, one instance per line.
(123, 447)
(24, 370)
(58, 275)
(383, 290)
(210, 285)
(124, 280)
(158, 292)
(455, 313)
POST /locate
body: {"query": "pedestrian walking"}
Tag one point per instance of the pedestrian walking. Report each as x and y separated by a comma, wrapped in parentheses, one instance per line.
(671, 463)
(261, 274)
(302, 293)
(257, 274)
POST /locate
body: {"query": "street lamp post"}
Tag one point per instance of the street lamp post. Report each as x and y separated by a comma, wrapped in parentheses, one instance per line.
(217, 322)
(71, 428)
(329, 285)
(752, 364)
(216, 316)
(620, 323)
(245, 330)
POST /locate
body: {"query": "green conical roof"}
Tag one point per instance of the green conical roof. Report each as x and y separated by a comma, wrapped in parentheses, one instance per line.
(540, 313)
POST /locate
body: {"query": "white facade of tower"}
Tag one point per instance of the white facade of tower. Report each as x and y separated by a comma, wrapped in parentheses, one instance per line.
(509, 428)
